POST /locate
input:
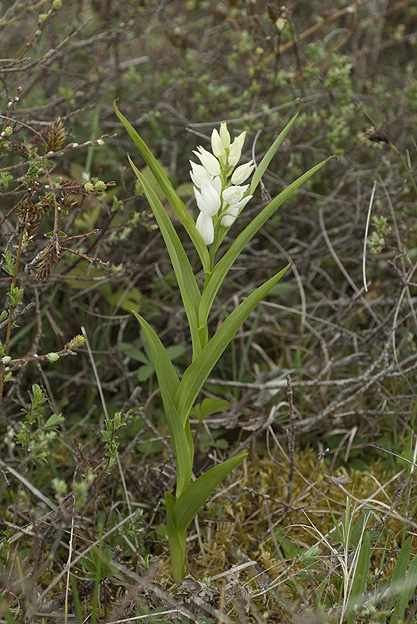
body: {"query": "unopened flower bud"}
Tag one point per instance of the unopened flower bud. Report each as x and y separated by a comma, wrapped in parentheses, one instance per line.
(217, 146)
(208, 198)
(242, 173)
(224, 135)
(89, 187)
(236, 149)
(76, 342)
(52, 357)
(205, 226)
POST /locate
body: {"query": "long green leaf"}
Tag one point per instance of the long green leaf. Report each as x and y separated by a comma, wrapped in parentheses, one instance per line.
(263, 165)
(399, 573)
(198, 371)
(197, 493)
(222, 267)
(169, 380)
(177, 541)
(407, 592)
(190, 293)
(361, 576)
(180, 435)
(168, 189)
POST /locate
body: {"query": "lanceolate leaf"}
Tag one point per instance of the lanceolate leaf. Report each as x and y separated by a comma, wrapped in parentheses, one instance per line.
(222, 267)
(179, 431)
(197, 373)
(197, 493)
(406, 594)
(361, 576)
(263, 165)
(168, 189)
(399, 573)
(186, 281)
(170, 382)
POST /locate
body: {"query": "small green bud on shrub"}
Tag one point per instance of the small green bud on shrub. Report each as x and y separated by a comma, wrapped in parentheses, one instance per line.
(76, 342)
(100, 185)
(61, 489)
(52, 357)
(89, 187)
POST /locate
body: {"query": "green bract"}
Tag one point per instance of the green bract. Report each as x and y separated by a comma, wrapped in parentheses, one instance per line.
(178, 396)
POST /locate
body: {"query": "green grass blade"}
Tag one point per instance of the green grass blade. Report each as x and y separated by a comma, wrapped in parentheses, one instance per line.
(361, 575)
(168, 189)
(407, 592)
(179, 432)
(222, 267)
(190, 293)
(5, 612)
(76, 601)
(197, 493)
(264, 164)
(197, 373)
(399, 573)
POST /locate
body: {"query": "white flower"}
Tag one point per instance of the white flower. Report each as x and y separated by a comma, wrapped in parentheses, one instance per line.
(209, 179)
(208, 161)
(233, 211)
(234, 194)
(208, 197)
(224, 135)
(205, 226)
(199, 174)
(235, 150)
(217, 146)
(230, 216)
(242, 173)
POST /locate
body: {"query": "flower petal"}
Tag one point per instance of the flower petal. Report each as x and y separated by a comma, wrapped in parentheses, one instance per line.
(235, 150)
(241, 204)
(199, 174)
(242, 173)
(233, 211)
(208, 161)
(217, 146)
(205, 226)
(208, 198)
(234, 194)
(230, 216)
(224, 135)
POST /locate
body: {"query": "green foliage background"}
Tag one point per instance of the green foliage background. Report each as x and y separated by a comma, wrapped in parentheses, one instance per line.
(178, 69)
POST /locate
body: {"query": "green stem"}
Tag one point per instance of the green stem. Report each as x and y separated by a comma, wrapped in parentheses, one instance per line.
(177, 541)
